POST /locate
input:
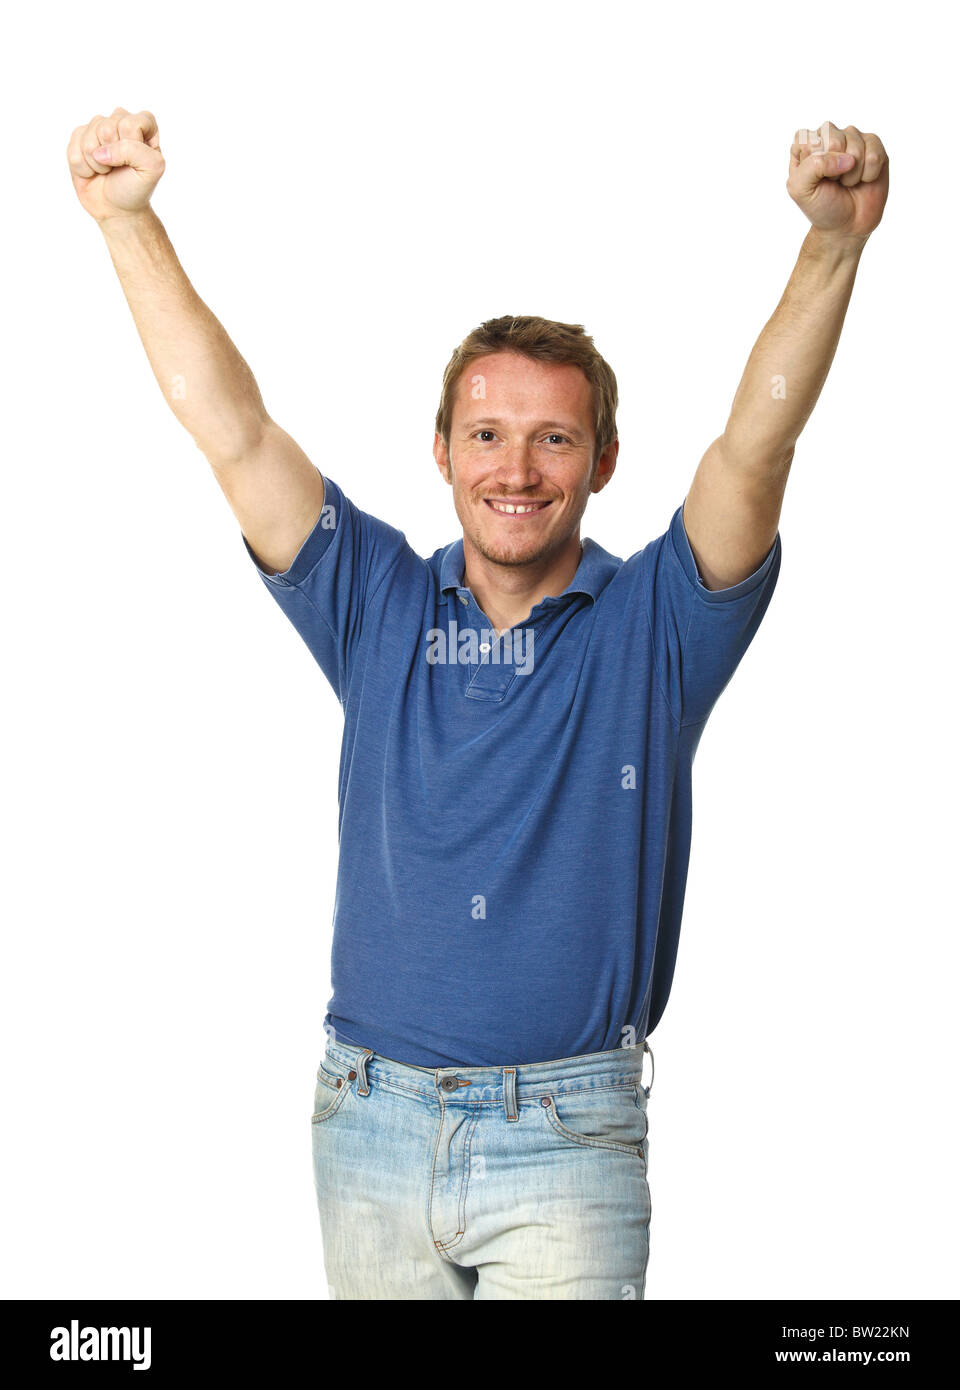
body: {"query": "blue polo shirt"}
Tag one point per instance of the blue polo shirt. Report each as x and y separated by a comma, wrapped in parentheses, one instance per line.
(515, 815)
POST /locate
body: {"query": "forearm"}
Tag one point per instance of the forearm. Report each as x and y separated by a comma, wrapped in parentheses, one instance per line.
(205, 381)
(790, 361)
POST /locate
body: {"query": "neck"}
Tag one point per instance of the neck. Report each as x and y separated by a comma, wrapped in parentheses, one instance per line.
(507, 593)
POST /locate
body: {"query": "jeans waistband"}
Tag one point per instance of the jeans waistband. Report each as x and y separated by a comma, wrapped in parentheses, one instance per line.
(506, 1085)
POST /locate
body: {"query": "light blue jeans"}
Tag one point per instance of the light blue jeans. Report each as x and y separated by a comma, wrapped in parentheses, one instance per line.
(527, 1181)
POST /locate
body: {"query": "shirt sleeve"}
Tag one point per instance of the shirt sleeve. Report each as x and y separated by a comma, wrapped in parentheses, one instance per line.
(699, 635)
(328, 589)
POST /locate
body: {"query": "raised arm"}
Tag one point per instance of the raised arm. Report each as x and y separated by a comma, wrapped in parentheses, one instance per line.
(274, 490)
(731, 514)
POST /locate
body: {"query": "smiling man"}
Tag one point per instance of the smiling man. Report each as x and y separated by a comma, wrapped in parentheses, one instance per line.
(524, 464)
(515, 816)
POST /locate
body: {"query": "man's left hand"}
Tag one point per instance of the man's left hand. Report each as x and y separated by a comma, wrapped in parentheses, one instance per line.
(839, 178)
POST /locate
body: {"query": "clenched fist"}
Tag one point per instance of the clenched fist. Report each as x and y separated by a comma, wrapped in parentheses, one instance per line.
(839, 178)
(115, 163)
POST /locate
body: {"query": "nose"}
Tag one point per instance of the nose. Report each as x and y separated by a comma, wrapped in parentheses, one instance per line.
(516, 468)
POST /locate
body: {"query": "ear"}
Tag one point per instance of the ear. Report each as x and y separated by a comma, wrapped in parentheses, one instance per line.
(442, 458)
(604, 467)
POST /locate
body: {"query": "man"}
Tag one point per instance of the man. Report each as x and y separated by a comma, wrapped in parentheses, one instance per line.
(521, 714)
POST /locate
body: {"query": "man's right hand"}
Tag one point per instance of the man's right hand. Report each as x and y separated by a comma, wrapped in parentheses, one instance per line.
(276, 493)
(115, 163)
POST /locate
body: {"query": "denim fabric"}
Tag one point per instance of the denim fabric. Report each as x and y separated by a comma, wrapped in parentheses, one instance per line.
(519, 1182)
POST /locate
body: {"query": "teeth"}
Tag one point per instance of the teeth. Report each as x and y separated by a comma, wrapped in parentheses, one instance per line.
(507, 507)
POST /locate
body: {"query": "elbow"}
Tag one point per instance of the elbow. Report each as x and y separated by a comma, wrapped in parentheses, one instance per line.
(229, 448)
(757, 457)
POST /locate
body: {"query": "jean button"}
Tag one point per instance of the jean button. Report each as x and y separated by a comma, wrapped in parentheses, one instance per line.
(449, 1083)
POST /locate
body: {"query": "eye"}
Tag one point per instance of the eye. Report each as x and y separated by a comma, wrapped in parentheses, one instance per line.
(484, 432)
(562, 437)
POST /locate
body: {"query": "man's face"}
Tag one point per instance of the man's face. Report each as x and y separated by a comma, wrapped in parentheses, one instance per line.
(520, 457)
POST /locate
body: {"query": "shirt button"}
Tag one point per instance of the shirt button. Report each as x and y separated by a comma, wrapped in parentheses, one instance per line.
(449, 1083)
(484, 646)
(461, 598)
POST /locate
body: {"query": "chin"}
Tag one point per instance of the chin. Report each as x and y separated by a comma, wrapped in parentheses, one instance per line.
(519, 553)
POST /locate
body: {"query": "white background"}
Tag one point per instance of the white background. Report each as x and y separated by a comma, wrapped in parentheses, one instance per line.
(351, 191)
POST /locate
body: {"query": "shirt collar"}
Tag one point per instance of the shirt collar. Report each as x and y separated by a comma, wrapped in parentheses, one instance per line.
(594, 571)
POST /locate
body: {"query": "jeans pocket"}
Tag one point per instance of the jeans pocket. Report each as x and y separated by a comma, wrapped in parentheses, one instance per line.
(599, 1117)
(329, 1094)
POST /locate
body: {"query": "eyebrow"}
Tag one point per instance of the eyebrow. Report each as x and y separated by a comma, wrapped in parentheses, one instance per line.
(540, 425)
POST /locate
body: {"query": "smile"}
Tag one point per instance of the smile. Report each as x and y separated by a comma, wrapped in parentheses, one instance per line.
(516, 508)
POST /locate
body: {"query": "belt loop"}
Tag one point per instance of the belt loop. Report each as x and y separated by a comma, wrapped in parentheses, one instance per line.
(647, 1048)
(510, 1093)
(363, 1085)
